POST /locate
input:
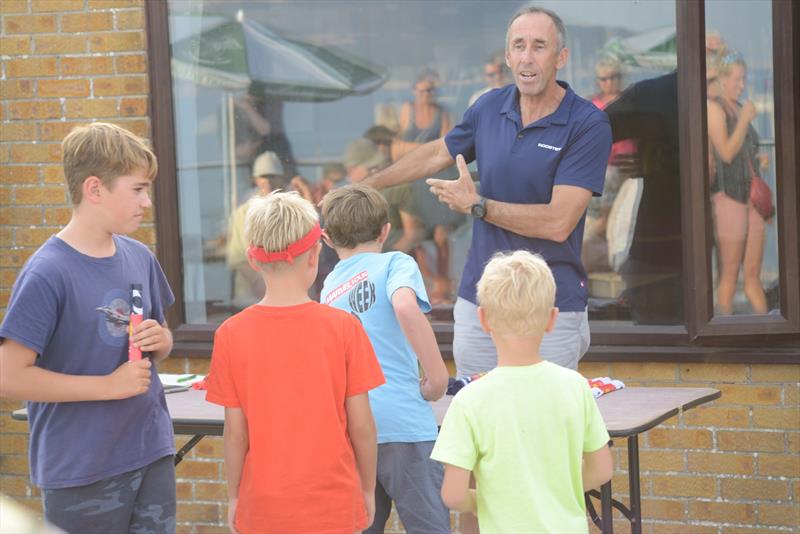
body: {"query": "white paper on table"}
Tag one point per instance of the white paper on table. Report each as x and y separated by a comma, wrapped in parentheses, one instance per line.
(173, 380)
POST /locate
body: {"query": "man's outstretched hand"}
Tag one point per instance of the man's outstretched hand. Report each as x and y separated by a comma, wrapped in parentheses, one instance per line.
(460, 194)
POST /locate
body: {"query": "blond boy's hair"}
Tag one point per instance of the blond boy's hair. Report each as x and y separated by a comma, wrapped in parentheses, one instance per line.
(275, 221)
(106, 151)
(354, 214)
(517, 292)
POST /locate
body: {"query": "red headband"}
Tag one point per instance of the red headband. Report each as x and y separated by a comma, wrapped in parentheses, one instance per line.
(292, 251)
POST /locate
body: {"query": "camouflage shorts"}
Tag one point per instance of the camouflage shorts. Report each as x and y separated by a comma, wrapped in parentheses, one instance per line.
(140, 501)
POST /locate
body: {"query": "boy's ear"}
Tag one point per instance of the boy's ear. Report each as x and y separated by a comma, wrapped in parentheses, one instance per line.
(313, 256)
(551, 321)
(483, 320)
(91, 189)
(327, 240)
(253, 264)
(384, 233)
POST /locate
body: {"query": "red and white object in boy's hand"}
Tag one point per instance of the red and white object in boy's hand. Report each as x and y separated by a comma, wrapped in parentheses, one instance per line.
(137, 316)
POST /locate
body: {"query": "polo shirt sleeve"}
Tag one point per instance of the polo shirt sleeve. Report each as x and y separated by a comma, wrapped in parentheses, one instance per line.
(461, 139)
(456, 443)
(595, 434)
(363, 370)
(584, 161)
(404, 272)
(221, 385)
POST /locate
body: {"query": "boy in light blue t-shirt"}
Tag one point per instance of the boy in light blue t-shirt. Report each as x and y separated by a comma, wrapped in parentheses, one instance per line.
(386, 293)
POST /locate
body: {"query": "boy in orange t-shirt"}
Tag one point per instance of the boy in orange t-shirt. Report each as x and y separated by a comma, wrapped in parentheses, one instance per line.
(293, 375)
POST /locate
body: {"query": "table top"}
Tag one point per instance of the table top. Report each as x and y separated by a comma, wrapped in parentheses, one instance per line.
(626, 412)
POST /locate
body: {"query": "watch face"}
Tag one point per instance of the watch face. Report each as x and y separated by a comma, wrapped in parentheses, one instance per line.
(478, 211)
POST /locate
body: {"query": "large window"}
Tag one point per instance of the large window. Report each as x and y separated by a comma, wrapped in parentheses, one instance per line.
(308, 95)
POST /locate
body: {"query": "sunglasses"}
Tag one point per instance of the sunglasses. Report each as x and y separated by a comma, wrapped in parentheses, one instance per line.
(607, 78)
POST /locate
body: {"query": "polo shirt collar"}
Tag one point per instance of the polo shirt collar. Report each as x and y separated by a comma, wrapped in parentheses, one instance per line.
(510, 107)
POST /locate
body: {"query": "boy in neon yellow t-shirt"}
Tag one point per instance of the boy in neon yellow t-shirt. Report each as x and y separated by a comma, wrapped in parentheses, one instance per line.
(529, 431)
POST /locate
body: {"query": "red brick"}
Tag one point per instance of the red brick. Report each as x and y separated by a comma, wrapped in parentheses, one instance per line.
(172, 365)
(211, 529)
(663, 509)
(14, 444)
(120, 85)
(194, 469)
(130, 20)
(199, 365)
(15, 258)
(91, 108)
(786, 515)
(683, 486)
(723, 512)
(38, 153)
(31, 67)
(207, 491)
(40, 195)
(19, 174)
(743, 440)
(14, 464)
(754, 489)
(61, 44)
(15, 46)
(114, 4)
(788, 418)
(63, 88)
(748, 394)
(198, 512)
(791, 394)
(183, 491)
(30, 24)
(679, 438)
(137, 126)
(716, 462)
(781, 465)
(133, 107)
(82, 66)
(87, 22)
(10, 131)
(20, 216)
(43, 109)
(679, 528)
(793, 439)
(713, 372)
(116, 41)
(718, 416)
(33, 237)
(53, 174)
(131, 63)
(55, 130)
(14, 486)
(57, 216)
(14, 89)
(656, 461)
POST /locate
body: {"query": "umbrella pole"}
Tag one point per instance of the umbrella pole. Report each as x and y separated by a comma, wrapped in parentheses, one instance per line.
(231, 138)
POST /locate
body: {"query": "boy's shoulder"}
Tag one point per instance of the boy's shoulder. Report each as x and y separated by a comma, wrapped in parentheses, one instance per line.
(133, 245)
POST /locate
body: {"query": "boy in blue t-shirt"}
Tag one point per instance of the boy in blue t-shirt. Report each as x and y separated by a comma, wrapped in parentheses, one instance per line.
(386, 293)
(101, 442)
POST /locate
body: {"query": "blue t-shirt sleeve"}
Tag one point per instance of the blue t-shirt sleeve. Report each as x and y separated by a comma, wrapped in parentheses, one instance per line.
(162, 296)
(32, 313)
(404, 272)
(461, 139)
(584, 161)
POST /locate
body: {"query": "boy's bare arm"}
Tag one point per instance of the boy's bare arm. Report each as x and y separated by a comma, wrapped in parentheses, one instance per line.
(236, 441)
(363, 436)
(597, 468)
(154, 338)
(21, 379)
(419, 333)
(456, 493)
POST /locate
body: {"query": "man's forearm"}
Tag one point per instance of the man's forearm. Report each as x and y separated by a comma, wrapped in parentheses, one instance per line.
(426, 160)
(529, 220)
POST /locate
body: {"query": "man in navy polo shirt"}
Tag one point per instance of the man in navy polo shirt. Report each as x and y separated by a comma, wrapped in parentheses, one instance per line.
(541, 152)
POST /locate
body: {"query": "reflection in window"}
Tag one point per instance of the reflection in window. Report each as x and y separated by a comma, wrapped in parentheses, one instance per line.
(268, 97)
(739, 81)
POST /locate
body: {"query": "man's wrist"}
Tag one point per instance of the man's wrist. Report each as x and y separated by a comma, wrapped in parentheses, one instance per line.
(478, 208)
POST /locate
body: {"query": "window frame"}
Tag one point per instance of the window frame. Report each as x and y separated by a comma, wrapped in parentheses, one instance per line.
(703, 337)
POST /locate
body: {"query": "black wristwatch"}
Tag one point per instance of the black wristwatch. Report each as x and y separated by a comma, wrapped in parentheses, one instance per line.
(478, 210)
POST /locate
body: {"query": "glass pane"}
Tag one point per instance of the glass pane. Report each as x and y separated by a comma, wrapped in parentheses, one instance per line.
(741, 130)
(254, 77)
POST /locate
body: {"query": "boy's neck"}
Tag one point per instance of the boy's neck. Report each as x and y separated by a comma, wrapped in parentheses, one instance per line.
(369, 246)
(517, 351)
(87, 237)
(284, 289)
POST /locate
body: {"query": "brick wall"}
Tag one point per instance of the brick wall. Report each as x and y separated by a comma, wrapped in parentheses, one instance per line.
(732, 467)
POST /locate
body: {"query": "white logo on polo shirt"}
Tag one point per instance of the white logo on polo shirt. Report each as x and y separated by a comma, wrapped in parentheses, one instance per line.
(549, 147)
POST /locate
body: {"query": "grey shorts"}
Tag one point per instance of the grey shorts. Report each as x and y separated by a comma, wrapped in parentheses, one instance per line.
(408, 476)
(474, 350)
(139, 501)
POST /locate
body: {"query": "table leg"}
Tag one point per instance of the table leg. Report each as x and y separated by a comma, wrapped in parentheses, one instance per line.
(633, 483)
(607, 511)
(187, 447)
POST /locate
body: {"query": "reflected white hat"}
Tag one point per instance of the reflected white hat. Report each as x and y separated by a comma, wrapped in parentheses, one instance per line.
(267, 163)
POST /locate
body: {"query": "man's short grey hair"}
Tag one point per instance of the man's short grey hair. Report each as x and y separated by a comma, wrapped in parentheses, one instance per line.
(561, 31)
